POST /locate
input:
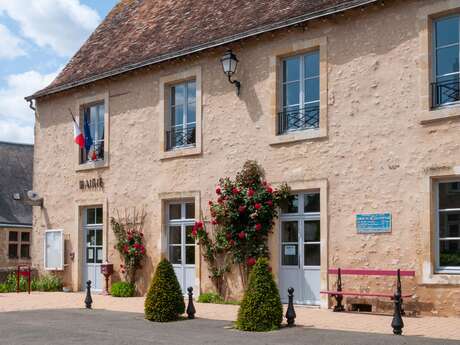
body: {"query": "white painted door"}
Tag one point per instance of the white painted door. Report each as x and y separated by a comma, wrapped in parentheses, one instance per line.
(181, 243)
(93, 248)
(300, 233)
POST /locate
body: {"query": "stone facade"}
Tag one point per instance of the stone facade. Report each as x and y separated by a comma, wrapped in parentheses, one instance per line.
(379, 147)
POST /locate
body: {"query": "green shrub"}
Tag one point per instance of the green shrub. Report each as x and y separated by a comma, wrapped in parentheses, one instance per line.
(11, 282)
(3, 288)
(261, 308)
(164, 301)
(122, 289)
(47, 282)
(210, 297)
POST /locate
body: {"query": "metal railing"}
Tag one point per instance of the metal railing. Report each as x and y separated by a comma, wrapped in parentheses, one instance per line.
(445, 92)
(181, 136)
(298, 119)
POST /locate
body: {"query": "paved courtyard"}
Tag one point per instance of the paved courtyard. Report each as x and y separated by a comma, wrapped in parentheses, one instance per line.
(59, 318)
(79, 326)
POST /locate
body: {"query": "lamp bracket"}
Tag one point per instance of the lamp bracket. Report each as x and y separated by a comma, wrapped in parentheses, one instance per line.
(236, 83)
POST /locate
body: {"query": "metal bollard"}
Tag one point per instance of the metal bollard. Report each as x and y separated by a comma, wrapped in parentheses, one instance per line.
(290, 312)
(190, 308)
(397, 323)
(88, 299)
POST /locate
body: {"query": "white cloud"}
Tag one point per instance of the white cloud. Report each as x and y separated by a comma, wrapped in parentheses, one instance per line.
(10, 45)
(16, 118)
(62, 25)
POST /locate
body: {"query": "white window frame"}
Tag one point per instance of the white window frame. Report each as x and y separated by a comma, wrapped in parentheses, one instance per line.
(435, 49)
(61, 265)
(439, 268)
(301, 100)
(83, 153)
(184, 124)
(182, 223)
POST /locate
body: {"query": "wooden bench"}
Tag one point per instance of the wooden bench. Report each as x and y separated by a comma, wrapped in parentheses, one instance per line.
(397, 296)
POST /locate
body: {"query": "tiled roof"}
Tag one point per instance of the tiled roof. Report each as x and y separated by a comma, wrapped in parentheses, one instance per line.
(16, 168)
(137, 33)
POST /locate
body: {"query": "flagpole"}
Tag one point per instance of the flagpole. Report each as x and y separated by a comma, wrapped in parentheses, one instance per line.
(71, 114)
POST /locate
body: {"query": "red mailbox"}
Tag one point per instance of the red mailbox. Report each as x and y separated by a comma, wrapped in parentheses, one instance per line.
(107, 271)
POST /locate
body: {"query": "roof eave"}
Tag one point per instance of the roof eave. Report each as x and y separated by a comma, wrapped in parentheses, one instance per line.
(198, 48)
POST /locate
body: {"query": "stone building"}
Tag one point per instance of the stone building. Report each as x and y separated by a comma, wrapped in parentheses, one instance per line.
(16, 171)
(353, 103)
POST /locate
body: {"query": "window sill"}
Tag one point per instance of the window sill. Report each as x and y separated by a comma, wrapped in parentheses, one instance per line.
(309, 134)
(442, 278)
(92, 165)
(180, 152)
(442, 113)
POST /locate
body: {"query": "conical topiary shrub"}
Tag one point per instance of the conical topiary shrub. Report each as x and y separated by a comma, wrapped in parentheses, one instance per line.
(261, 308)
(164, 301)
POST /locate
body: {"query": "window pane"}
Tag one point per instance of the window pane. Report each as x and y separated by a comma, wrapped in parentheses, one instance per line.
(90, 255)
(191, 92)
(190, 255)
(312, 231)
(179, 94)
(189, 239)
(190, 210)
(99, 255)
(191, 116)
(90, 238)
(290, 254)
(174, 211)
(312, 255)
(99, 215)
(13, 236)
(54, 249)
(175, 235)
(177, 115)
(175, 254)
(291, 94)
(448, 89)
(447, 60)
(449, 224)
(25, 251)
(311, 90)
(13, 251)
(449, 253)
(291, 70)
(311, 202)
(90, 216)
(289, 231)
(449, 195)
(447, 31)
(25, 236)
(311, 63)
(98, 237)
(292, 206)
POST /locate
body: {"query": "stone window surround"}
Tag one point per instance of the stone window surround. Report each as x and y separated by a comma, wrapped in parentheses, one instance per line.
(274, 241)
(163, 111)
(166, 198)
(80, 103)
(426, 14)
(19, 242)
(77, 237)
(429, 235)
(275, 88)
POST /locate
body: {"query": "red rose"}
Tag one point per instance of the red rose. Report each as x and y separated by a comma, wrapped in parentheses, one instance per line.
(264, 183)
(228, 235)
(194, 232)
(121, 266)
(213, 222)
(242, 235)
(218, 190)
(125, 248)
(257, 206)
(235, 190)
(142, 234)
(269, 189)
(232, 243)
(269, 203)
(251, 192)
(258, 227)
(241, 209)
(123, 271)
(251, 261)
(210, 203)
(220, 200)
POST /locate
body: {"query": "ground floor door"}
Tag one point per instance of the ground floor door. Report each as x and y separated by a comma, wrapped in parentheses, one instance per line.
(300, 250)
(181, 243)
(93, 247)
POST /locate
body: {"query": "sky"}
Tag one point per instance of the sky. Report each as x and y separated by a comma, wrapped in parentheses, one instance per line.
(37, 39)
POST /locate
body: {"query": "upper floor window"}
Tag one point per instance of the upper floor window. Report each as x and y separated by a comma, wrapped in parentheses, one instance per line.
(300, 94)
(446, 55)
(448, 229)
(19, 244)
(93, 130)
(181, 127)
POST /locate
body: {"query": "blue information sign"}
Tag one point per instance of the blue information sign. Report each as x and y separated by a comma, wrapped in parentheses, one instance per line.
(373, 223)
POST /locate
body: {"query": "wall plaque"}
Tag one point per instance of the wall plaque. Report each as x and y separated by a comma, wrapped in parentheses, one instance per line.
(91, 184)
(373, 223)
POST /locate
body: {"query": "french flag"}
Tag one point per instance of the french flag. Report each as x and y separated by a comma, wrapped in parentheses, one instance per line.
(78, 135)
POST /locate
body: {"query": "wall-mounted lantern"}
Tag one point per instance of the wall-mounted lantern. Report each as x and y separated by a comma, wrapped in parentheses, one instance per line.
(229, 64)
